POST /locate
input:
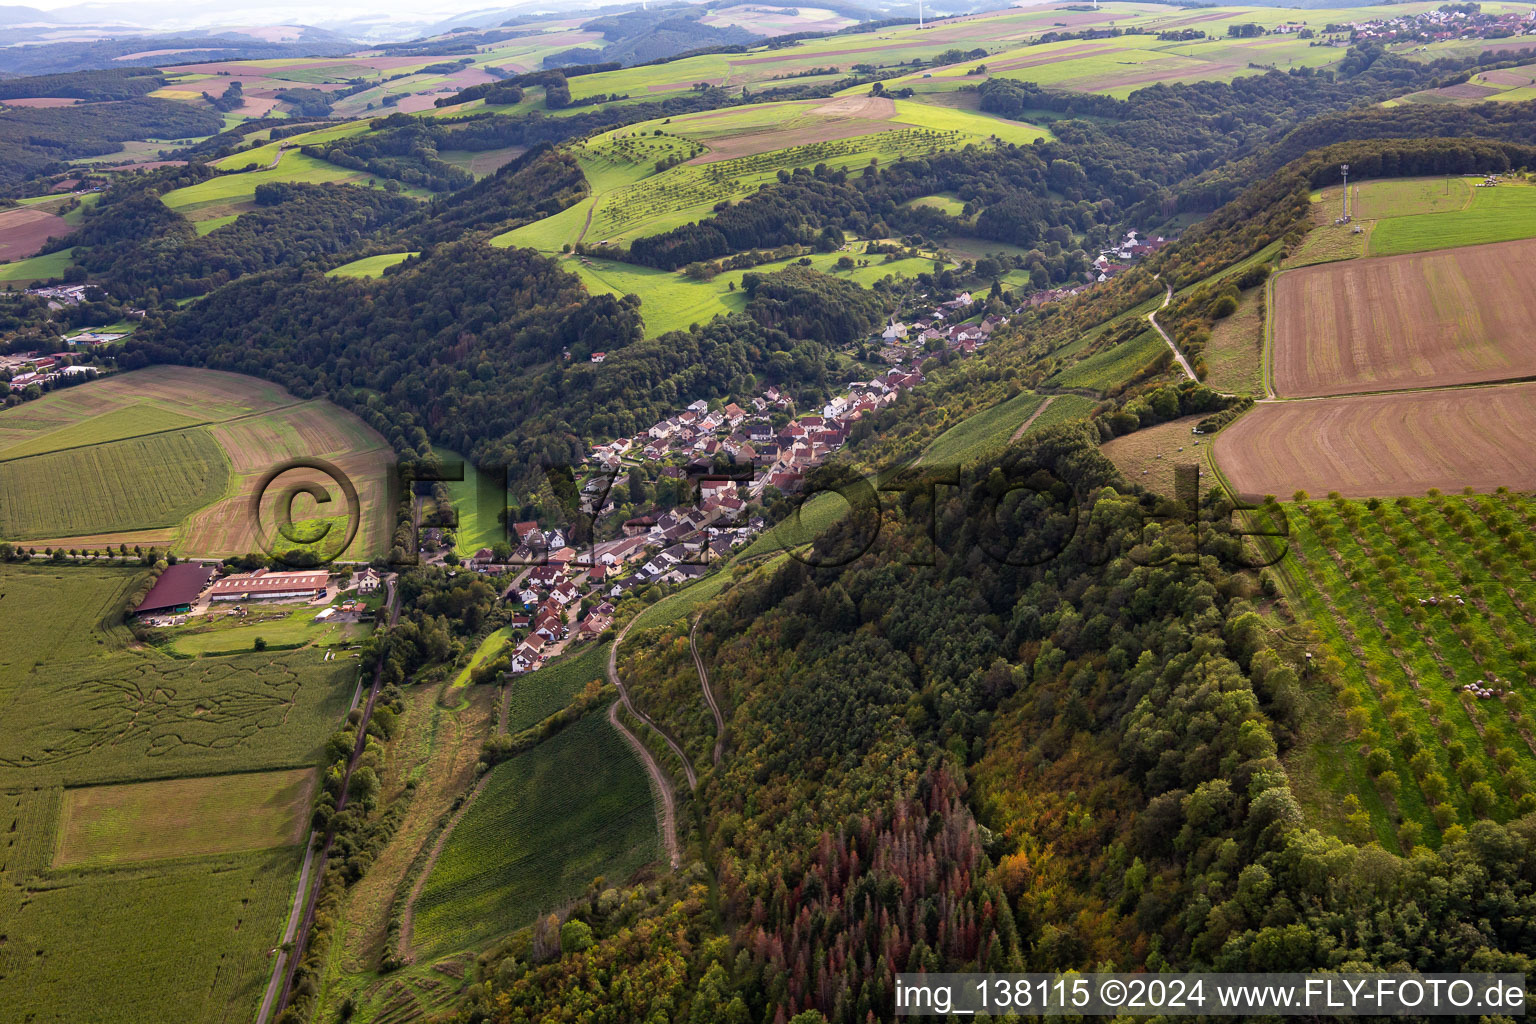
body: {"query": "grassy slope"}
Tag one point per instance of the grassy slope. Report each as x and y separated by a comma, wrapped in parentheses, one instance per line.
(550, 820)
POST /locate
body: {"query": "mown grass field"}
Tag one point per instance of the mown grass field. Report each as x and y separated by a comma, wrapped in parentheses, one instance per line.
(1412, 599)
(370, 266)
(477, 502)
(1379, 198)
(573, 808)
(220, 631)
(24, 273)
(1235, 354)
(1148, 457)
(173, 818)
(173, 875)
(1504, 213)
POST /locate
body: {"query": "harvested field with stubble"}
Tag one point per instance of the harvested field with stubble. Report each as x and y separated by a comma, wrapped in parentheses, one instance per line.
(1148, 457)
(1385, 445)
(1457, 316)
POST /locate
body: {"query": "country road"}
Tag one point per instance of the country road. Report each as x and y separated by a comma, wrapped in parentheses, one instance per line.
(709, 697)
(309, 892)
(1189, 371)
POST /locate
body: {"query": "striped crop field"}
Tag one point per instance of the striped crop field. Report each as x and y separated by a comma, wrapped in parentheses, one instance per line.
(178, 452)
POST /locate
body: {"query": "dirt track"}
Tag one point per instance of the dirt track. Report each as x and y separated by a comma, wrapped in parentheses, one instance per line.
(659, 779)
(1178, 356)
(1030, 420)
(709, 696)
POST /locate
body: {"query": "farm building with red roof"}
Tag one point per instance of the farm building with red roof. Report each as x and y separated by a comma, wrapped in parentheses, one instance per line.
(176, 590)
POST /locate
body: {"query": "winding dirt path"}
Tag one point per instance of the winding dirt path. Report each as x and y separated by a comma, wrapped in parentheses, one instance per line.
(629, 705)
(667, 805)
(1030, 421)
(408, 915)
(709, 696)
(1189, 371)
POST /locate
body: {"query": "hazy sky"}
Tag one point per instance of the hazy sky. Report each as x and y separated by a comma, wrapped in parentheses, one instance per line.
(263, 12)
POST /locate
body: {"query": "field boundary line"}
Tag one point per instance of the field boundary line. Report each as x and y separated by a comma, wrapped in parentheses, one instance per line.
(1426, 389)
(1267, 356)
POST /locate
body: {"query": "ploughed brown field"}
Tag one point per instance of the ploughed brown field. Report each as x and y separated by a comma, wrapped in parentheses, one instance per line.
(1454, 316)
(1385, 445)
(24, 229)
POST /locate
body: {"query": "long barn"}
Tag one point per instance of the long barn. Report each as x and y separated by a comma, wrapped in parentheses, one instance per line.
(271, 586)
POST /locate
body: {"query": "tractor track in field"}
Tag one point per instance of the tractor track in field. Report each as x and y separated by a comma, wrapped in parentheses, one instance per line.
(1030, 420)
(668, 802)
(408, 913)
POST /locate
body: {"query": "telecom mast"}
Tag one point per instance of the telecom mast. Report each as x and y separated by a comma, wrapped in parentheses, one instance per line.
(1344, 168)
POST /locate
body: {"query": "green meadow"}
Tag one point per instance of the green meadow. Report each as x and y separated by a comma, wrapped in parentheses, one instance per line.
(671, 301)
(1501, 214)
(23, 273)
(95, 877)
(234, 193)
(370, 266)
